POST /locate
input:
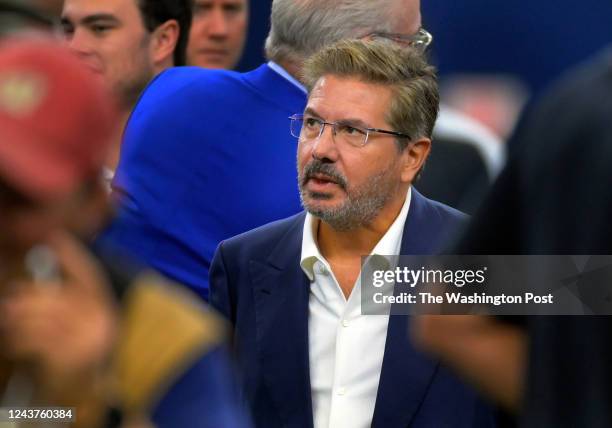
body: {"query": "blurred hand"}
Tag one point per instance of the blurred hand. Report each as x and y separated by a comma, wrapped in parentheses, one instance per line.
(487, 353)
(60, 332)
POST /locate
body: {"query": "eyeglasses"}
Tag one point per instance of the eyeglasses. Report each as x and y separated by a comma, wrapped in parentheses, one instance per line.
(308, 128)
(420, 40)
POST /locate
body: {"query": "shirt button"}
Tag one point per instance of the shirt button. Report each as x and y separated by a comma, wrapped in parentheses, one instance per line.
(322, 270)
(341, 391)
(345, 323)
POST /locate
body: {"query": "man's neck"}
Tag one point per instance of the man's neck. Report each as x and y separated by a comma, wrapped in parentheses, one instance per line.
(293, 68)
(343, 249)
(163, 66)
(112, 160)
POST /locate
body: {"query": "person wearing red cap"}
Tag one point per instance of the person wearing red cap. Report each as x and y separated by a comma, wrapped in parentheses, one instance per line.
(56, 123)
(79, 325)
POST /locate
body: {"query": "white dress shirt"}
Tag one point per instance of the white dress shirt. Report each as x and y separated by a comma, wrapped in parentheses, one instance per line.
(346, 348)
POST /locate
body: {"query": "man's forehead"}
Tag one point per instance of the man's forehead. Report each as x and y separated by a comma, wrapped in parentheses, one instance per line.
(329, 83)
(349, 96)
(81, 9)
(220, 2)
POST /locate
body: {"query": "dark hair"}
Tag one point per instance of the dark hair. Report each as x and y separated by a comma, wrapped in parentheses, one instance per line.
(156, 12)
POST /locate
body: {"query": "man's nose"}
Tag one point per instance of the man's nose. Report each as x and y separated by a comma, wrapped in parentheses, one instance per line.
(79, 43)
(324, 147)
(218, 25)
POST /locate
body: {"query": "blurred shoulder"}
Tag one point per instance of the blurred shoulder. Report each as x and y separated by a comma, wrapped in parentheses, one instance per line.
(174, 81)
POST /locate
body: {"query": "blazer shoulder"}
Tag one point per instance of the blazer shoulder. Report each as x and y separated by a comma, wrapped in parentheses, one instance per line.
(447, 213)
(437, 211)
(260, 242)
(178, 86)
(431, 227)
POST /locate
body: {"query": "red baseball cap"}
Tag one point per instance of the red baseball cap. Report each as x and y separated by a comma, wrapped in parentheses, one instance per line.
(56, 118)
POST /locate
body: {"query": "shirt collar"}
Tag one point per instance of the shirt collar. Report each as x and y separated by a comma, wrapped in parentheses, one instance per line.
(389, 244)
(280, 70)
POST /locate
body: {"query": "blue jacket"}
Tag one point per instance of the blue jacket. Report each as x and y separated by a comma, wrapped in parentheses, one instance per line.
(258, 284)
(207, 154)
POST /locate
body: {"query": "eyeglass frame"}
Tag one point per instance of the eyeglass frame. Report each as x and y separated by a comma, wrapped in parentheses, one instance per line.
(366, 131)
(421, 40)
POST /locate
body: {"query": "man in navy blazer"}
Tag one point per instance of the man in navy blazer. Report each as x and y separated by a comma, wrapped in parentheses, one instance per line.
(308, 357)
(207, 154)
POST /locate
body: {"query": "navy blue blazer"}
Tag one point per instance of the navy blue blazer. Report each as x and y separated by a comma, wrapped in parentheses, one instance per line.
(257, 283)
(207, 154)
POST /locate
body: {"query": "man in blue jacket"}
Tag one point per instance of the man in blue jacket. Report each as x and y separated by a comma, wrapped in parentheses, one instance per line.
(292, 288)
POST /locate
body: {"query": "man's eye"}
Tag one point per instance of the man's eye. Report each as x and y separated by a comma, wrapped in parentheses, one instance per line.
(202, 8)
(349, 130)
(67, 30)
(100, 29)
(232, 9)
(310, 122)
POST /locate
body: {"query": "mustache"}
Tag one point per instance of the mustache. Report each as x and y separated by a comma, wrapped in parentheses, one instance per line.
(316, 166)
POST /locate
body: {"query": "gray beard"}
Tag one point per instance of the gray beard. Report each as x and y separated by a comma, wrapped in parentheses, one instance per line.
(361, 207)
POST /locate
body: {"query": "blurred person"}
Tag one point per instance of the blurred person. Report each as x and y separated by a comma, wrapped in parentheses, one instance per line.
(553, 197)
(464, 162)
(490, 354)
(363, 138)
(76, 322)
(20, 16)
(218, 33)
(41, 189)
(127, 42)
(206, 153)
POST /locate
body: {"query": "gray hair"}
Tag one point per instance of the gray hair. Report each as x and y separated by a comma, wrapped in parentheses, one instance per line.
(300, 28)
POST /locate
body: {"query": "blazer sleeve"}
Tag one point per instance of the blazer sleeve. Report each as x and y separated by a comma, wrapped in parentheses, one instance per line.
(220, 287)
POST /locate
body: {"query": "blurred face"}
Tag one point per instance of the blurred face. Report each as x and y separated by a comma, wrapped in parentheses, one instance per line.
(110, 36)
(217, 33)
(25, 223)
(348, 186)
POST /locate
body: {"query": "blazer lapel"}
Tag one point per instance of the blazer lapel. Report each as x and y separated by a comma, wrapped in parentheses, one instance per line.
(421, 236)
(404, 379)
(281, 292)
(406, 373)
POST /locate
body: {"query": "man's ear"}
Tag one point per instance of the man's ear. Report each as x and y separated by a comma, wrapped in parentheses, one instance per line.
(163, 42)
(413, 158)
